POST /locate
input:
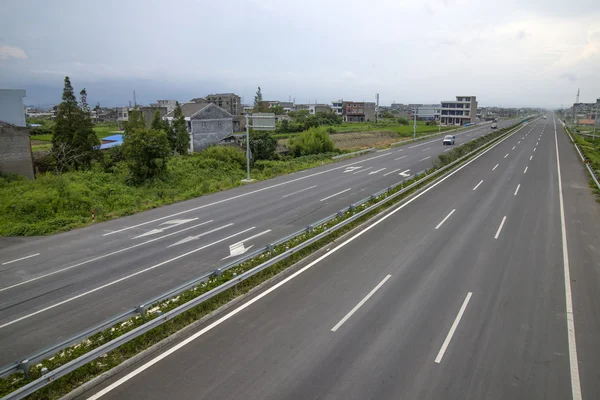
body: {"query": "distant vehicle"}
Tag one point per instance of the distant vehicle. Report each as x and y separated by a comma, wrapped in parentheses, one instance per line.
(494, 125)
(495, 119)
(545, 117)
(449, 139)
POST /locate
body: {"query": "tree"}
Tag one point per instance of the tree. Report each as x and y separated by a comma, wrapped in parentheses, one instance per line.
(258, 101)
(262, 145)
(311, 141)
(74, 141)
(181, 136)
(402, 121)
(300, 115)
(168, 129)
(146, 152)
(277, 110)
(156, 121)
(134, 122)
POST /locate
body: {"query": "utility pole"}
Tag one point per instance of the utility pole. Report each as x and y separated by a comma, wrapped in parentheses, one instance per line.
(595, 119)
(248, 149)
(415, 124)
(377, 109)
(134, 101)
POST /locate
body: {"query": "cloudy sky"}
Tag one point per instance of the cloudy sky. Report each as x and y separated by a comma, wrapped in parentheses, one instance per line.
(507, 53)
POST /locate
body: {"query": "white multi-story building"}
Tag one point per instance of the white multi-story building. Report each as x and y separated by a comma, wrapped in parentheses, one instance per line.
(338, 107)
(461, 111)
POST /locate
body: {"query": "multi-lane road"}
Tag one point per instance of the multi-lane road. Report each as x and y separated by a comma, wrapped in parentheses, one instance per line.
(484, 286)
(54, 287)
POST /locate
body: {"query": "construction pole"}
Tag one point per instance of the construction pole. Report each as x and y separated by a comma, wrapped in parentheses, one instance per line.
(247, 148)
(415, 124)
(595, 119)
(377, 109)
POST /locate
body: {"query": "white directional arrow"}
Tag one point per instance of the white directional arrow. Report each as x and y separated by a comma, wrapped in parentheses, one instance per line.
(190, 238)
(350, 169)
(238, 248)
(405, 173)
(374, 172)
(169, 224)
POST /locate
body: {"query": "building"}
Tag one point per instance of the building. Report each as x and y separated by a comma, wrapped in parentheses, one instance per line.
(12, 109)
(207, 124)
(461, 111)
(148, 113)
(313, 108)
(428, 112)
(286, 105)
(168, 104)
(229, 102)
(122, 114)
(15, 150)
(338, 107)
(359, 111)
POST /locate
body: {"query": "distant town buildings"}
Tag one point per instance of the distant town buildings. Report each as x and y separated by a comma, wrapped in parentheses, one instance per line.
(461, 111)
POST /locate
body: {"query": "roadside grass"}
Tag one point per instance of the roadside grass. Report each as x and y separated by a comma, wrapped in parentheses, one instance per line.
(101, 132)
(64, 385)
(57, 203)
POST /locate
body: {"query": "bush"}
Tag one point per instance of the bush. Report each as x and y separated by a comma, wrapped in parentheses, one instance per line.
(312, 141)
(146, 152)
(262, 146)
(402, 121)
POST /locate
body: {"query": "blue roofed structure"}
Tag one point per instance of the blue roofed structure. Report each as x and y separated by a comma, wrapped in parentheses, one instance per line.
(111, 141)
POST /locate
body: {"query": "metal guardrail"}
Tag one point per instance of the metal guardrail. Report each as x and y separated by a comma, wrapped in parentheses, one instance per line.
(96, 353)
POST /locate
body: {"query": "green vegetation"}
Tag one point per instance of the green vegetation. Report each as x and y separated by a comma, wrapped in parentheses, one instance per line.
(55, 203)
(181, 138)
(312, 141)
(262, 146)
(302, 121)
(146, 152)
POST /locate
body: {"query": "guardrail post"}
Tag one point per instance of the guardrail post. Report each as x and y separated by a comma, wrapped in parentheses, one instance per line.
(373, 197)
(24, 366)
(310, 228)
(340, 214)
(270, 247)
(141, 309)
(44, 371)
(217, 272)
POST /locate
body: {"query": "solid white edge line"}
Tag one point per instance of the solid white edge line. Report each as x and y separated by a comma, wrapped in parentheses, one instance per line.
(447, 216)
(500, 228)
(359, 305)
(284, 281)
(573, 361)
(517, 190)
(475, 188)
(252, 237)
(299, 191)
(495, 167)
(333, 195)
(244, 194)
(19, 259)
(107, 255)
(440, 355)
(119, 280)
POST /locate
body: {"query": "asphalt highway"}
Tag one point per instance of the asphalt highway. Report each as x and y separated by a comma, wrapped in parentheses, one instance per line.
(54, 287)
(482, 287)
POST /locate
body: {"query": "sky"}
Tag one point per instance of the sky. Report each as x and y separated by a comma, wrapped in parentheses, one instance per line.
(511, 53)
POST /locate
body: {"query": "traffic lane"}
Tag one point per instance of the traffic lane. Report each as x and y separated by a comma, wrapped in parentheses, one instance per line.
(582, 218)
(514, 337)
(380, 247)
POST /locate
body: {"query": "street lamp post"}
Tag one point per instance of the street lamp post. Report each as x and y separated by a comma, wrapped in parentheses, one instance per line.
(248, 149)
(415, 124)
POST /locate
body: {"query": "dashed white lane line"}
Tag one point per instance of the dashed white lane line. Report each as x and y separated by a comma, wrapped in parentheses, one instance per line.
(399, 158)
(444, 220)
(495, 167)
(333, 195)
(506, 155)
(573, 362)
(530, 158)
(244, 194)
(362, 170)
(534, 148)
(440, 355)
(447, 150)
(423, 159)
(391, 172)
(106, 255)
(363, 301)
(400, 150)
(519, 142)
(429, 148)
(514, 147)
(299, 191)
(476, 186)
(525, 170)
(121, 279)
(377, 171)
(500, 228)
(22, 258)
(517, 191)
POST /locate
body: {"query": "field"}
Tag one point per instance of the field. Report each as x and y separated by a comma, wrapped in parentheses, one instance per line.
(360, 140)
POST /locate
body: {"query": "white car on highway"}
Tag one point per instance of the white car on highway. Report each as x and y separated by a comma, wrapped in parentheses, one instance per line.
(449, 139)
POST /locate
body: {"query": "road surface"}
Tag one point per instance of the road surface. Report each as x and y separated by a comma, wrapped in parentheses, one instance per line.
(54, 287)
(459, 293)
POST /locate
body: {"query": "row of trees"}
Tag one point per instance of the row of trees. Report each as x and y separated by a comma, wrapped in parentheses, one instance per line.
(303, 120)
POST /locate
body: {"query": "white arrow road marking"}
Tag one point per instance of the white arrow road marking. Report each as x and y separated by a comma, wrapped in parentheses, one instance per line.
(238, 248)
(350, 169)
(190, 238)
(405, 173)
(391, 172)
(170, 224)
(374, 172)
